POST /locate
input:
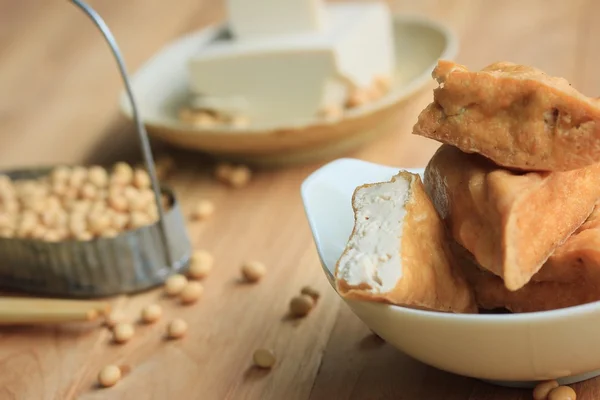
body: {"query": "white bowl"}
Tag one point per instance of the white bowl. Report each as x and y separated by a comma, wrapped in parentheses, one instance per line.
(506, 349)
(161, 88)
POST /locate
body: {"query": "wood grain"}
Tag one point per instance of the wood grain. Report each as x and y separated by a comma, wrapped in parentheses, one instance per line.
(58, 104)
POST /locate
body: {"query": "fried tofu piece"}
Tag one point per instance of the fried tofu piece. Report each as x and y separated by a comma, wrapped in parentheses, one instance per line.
(515, 115)
(511, 222)
(578, 259)
(398, 252)
(537, 295)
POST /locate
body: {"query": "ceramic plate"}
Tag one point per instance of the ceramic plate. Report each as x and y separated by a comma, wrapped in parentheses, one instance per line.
(506, 349)
(161, 90)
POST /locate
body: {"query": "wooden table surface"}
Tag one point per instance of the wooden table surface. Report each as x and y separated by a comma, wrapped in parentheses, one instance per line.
(58, 91)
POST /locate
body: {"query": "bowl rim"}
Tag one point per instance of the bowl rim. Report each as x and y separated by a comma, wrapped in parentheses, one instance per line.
(449, 52)
(525, 317)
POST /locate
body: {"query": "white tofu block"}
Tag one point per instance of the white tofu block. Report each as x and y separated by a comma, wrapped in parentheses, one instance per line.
(288, 78)
(277, 87)
(363, 41)
(252, 19)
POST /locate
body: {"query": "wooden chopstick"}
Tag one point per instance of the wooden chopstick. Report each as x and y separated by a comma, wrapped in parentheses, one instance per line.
(23, 310)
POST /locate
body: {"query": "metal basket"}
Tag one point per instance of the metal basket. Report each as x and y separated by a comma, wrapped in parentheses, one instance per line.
(132, 261)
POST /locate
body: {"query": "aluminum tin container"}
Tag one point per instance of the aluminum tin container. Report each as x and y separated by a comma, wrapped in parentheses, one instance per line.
(132, 261)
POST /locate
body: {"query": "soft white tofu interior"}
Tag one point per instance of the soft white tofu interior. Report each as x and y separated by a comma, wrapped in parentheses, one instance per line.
(372, 255)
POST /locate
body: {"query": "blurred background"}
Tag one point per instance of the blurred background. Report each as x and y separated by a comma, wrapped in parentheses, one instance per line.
(59, 85)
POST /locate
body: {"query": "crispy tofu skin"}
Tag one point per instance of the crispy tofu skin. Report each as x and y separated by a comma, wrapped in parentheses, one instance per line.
(398, 252)
(540, 294)
(515, 115)
(511, 222)
(578, 259)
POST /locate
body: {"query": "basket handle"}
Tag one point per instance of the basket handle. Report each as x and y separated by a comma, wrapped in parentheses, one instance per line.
(141, 130)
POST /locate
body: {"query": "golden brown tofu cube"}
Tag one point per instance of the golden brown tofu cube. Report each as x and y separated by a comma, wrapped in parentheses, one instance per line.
(398, 252)
(515, 115)
(511, 222)
(564, 281)
(578, 259)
